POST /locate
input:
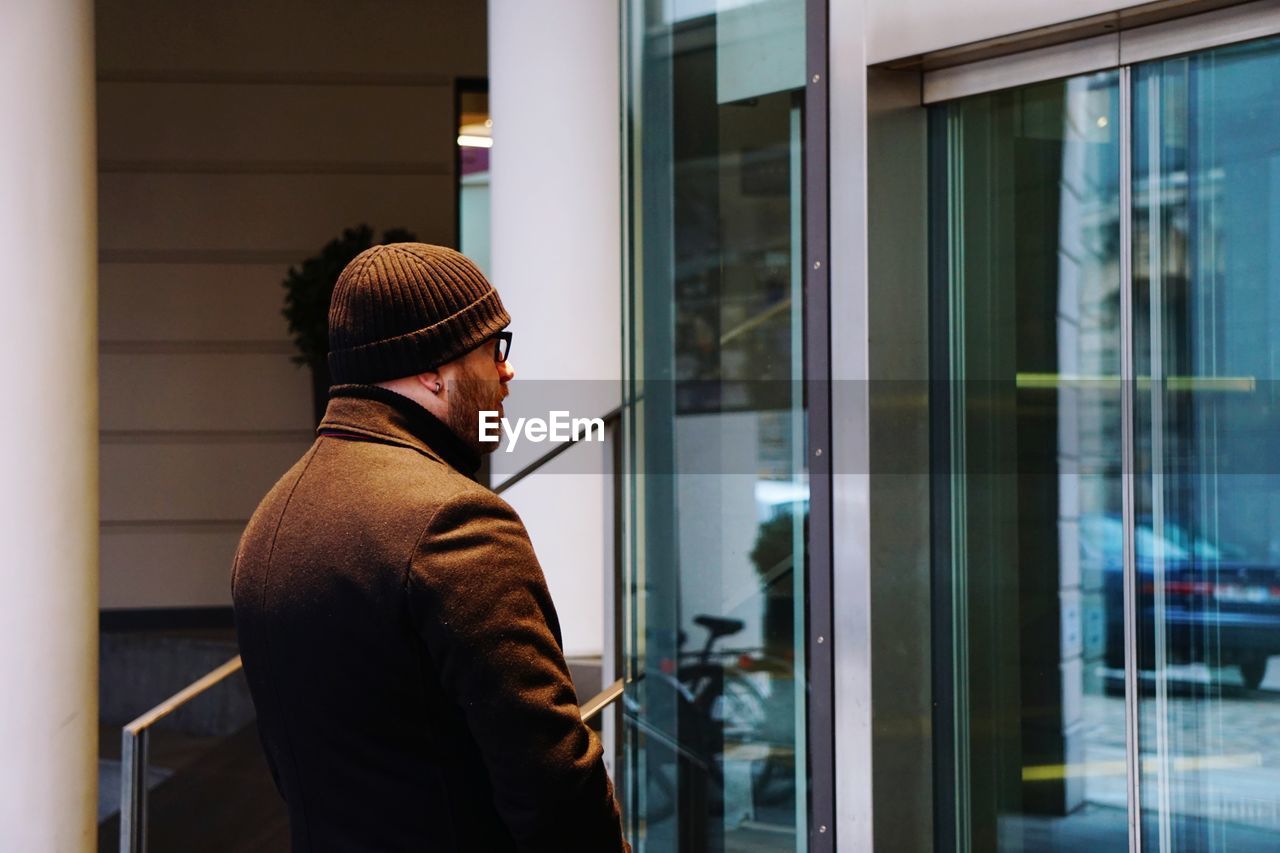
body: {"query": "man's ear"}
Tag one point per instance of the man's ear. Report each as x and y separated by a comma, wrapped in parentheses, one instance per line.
(431, 382)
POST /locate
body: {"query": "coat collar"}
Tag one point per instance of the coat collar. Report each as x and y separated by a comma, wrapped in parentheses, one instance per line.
(383, 415)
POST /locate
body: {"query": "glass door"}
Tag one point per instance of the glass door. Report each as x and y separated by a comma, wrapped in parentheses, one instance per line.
(713, 725)
(1107, 257)
(1206, 193)
(1029, 184)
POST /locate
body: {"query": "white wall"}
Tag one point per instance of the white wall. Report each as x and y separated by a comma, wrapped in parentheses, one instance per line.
(556, 258)
(234, 140)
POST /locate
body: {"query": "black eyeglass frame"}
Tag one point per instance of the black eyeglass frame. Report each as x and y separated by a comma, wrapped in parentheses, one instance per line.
(501, 347)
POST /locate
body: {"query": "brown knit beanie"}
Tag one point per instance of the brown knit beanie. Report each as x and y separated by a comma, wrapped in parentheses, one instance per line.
(405, 308)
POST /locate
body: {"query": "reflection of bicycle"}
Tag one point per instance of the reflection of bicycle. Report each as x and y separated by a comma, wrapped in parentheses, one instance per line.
(721, 710)
(730, 701)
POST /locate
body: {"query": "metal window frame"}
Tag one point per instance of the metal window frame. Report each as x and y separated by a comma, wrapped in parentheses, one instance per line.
(1245, 22)
(820, 645)
(943, 624)
(1216, 28)
(1128, 471)
(844, 188)
(1021, 69)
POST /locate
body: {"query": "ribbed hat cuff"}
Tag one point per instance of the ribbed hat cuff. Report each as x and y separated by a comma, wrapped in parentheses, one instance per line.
(424, 349)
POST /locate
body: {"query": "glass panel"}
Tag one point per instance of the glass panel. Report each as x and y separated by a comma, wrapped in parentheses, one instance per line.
(1207, 306)
(209, 786)
(475, 138)
(717, 487)
(1025, 185)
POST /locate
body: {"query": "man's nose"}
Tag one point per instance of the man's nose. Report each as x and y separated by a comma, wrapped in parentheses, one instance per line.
(505, 371)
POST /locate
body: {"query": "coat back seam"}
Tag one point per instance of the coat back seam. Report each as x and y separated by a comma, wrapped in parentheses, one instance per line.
(266, 640)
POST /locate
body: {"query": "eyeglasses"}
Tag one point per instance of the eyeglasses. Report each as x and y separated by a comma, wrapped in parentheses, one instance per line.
(501, 347)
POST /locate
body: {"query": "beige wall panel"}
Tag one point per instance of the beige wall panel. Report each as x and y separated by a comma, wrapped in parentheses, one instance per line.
(297, 213)
(188, 482)
(191, 302)
(162, 568)
(216, 123)
(237, 138)
(204, 391)
(353, 36)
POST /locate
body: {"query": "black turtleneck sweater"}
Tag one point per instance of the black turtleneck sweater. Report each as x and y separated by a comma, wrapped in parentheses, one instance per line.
(412, 418)
(403, 652)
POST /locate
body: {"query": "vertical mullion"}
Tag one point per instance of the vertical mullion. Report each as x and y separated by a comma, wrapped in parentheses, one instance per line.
(799, 469)
(1128, 464)
(944, 648)
(958, 562)
(1155, 299)
(819, 616)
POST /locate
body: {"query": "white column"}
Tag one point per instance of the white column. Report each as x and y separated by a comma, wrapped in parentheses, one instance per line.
(556, 258)
(48, 428)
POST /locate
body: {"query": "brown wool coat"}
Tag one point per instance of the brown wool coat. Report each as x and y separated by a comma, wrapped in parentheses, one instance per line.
(404, 655)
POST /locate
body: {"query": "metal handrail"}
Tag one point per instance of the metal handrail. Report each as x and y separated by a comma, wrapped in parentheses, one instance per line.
(133, 756)
(597, 703)
(133, 765)
(779, 307)
(610, 416)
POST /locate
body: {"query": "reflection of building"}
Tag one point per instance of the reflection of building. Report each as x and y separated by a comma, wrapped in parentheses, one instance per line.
(878, 289)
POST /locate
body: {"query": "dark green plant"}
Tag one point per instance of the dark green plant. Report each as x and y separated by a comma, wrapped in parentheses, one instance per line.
(775, 542)
(309, 287)
(773, 555)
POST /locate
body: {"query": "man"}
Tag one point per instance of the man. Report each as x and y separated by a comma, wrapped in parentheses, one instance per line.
(402, 650)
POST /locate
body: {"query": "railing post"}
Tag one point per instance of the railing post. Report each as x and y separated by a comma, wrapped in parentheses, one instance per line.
(133, 790)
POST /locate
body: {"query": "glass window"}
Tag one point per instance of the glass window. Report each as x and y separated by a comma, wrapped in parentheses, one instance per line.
(475, 139)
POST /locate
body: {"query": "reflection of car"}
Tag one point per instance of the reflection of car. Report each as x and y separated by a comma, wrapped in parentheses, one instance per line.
(1220, 607)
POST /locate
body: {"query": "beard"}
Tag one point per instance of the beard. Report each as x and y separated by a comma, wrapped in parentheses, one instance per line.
(467, 398)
